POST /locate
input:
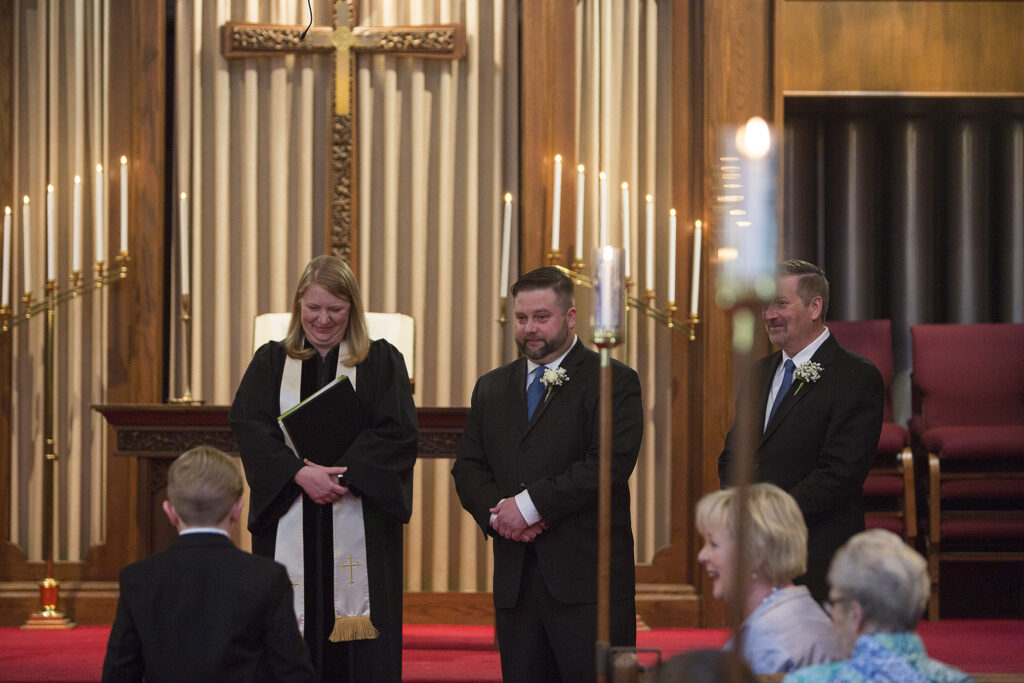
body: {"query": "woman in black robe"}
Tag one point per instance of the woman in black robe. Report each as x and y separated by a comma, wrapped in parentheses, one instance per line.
(328, 321)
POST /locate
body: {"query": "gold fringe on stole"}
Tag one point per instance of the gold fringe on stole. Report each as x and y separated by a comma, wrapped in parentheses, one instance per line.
(353, 628)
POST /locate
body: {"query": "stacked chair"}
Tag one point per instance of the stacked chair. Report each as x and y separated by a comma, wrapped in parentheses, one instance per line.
(968, 418)
(889, 498)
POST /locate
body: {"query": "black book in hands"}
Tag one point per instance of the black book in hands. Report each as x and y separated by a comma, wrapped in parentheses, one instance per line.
(323, 426)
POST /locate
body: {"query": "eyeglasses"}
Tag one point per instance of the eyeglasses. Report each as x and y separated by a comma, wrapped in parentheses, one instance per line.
(830, 604)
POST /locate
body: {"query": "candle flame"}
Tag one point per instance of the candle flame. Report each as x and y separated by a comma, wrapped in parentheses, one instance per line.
(558, 158)
(650, 198)
(25, 199)
(754, 139)
(49, 188)
(7, 210)
(99, 168)
(183, 195)
(124, 160)
(78, 180)
(625, 186)
(697, 224)
(601, 175)
(580, 168)
(508, 197)
(671, 212)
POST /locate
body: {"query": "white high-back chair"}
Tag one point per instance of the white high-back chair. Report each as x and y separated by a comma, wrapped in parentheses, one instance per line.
(397, 328)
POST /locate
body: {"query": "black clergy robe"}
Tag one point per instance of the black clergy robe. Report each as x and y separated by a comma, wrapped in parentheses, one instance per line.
(380, 463)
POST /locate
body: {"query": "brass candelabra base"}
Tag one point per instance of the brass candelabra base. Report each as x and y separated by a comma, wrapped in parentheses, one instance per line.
(48, 617)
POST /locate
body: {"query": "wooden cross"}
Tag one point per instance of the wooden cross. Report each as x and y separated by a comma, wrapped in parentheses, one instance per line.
(438, 41)
(350, 565)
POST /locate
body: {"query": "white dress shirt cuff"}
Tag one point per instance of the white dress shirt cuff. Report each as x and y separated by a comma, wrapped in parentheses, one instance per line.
(526, 508)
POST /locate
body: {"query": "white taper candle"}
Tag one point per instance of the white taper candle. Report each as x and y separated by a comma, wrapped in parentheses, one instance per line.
(51, 237)
(76, 227)
(26, 234)
(695, 284)
(580, 179)
(506, 244)
(649, 241)
(183, 235)
(625, 230)
(556, 204)
(671, 256)
(602, 219)
(100, 248)
(124, 205)
(6, 299)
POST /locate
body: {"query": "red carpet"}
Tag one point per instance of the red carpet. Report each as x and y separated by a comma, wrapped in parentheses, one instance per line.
(465, 653)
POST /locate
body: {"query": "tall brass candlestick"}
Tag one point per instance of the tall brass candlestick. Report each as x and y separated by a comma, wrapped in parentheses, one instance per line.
(608, 325)
(48, 617)
(186, 318)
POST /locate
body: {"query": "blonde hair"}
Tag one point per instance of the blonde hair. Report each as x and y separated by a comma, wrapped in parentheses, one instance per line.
(334, 275)
(203, 485)
(776, 541)
(885, 576)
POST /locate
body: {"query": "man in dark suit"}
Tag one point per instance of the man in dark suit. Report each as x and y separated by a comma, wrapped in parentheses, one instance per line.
(818, 414)
(527, 470)
(204, 610)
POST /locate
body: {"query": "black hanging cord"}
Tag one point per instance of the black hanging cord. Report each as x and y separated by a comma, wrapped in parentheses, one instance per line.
(309, 4)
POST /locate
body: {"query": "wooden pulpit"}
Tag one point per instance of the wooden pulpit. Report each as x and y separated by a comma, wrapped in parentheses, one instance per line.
(156, 434)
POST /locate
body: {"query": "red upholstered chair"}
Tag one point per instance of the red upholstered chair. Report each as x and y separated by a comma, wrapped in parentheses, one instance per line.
(889, 497)
(968, 416)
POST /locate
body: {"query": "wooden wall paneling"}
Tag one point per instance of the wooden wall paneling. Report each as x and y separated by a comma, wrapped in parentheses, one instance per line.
(137, 305)
(7, 551)
(894, 46)
(546, 127)
(737, 84)
(666, 594)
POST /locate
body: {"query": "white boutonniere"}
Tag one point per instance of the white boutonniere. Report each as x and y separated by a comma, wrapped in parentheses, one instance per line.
(553, 378)
(807, 372)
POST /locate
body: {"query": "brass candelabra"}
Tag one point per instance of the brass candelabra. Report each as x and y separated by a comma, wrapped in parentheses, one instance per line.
(48, 617)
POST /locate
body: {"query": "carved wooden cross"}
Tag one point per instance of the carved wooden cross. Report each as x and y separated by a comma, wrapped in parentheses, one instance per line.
(439, 41)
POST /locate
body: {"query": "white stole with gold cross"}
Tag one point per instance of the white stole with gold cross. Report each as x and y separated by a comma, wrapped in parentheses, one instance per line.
(351, 580)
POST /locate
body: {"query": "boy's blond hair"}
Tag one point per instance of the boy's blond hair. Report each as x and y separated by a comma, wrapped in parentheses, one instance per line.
(203, 485)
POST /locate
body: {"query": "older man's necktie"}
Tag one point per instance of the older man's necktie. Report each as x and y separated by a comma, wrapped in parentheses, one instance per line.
(787, 380)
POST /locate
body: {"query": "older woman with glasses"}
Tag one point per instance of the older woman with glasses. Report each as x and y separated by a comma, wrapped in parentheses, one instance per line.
(783, 627)
(879, 588)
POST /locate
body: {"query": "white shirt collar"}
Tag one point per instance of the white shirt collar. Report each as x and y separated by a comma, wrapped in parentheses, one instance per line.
(805, 354)
(203, 530)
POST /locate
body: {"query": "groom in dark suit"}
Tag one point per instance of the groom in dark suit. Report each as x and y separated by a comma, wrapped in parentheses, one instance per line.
(527, 470)
(203, 610)
(818, 416)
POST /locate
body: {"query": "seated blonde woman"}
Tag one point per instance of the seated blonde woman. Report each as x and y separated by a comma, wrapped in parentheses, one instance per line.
(879, 588)
(783, 627)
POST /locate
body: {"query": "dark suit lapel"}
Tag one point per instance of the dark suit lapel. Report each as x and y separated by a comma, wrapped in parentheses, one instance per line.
(798, 391)
(516, 388)
(571, 362)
